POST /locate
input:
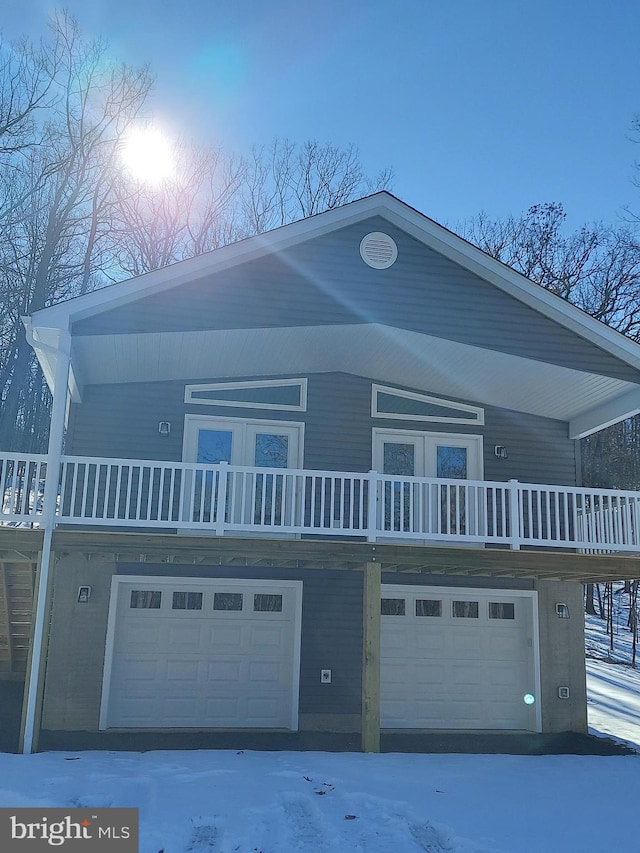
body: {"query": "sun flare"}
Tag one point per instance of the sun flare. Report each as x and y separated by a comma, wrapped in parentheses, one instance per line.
(149, 156)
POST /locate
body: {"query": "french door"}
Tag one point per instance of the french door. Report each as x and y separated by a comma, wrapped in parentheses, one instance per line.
(267, 444)
(254, 497)
(405, 505)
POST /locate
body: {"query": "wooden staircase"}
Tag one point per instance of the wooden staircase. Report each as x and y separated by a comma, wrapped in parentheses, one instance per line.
(16, 604)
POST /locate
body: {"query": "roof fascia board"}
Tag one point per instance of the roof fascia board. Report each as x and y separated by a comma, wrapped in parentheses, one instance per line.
(600, 417)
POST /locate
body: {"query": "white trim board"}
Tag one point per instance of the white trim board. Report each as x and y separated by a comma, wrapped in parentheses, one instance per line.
(376, 390)
(247, 385)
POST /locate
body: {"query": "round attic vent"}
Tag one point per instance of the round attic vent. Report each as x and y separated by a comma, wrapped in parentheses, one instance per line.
(378, 250)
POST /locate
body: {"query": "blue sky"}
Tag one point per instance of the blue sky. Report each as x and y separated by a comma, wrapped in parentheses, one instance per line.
(493, 105)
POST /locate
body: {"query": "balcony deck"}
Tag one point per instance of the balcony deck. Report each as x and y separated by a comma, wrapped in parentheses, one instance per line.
(236, 501)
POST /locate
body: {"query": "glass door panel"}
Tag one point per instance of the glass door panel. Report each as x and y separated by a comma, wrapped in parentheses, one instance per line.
(451, 462)
(214, 445)
(271, 450)
(271, 494)
(399, 458)
(403, 457)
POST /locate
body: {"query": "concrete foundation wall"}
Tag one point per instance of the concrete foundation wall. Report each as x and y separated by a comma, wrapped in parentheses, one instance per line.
(562, 661)
(73, 683)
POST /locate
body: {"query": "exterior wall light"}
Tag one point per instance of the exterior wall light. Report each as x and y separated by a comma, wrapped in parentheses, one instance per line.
(84, 594)
(562, 611)
(164, 427)
(501, 451)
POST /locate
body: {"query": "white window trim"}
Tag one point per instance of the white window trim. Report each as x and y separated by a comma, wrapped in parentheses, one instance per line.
(239, 404)
(209, 421)
(423, 398)
(453, 438)
(184, 583)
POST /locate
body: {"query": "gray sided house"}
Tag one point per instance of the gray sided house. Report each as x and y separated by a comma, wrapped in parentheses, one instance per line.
(325, 479)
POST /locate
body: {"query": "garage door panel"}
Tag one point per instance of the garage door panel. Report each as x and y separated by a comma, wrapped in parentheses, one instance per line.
(220, 671)
(468, 668)
(137, 670)
(465, 675)
(467, 643)
(182, 670)
(505, 675)
(225, 635)
(505, 643)
(261, 709)
(427, 675)
(394, 672)
(227, 662)
(426, 716)
(432, 641)
(265, 638)
(141, 634)
(395, 712)
(396, 639)
(265, 672)
(184, 635)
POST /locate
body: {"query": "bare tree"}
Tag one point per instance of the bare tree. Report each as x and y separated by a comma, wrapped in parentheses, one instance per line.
(55, 187)
(596, 267)
(27, 73)
(216, 199)
(285, 182)
(192, 213)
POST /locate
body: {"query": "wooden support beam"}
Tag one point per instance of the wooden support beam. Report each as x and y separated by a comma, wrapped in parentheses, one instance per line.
(162, 547)
(371, 658)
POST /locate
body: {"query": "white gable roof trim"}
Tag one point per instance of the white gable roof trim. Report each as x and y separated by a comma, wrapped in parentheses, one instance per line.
(381, 204)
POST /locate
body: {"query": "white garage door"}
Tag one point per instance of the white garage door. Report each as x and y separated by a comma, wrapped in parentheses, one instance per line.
(457, 659)
(202, 653)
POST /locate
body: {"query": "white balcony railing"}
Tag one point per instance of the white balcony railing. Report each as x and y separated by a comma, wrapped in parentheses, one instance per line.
(222, 499)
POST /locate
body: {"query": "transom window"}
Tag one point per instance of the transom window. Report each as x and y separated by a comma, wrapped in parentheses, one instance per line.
(187, 601)
(280, 394)
(464, 609)
(392, 607)
(145, 599)
(227, 601)
(396, 404)
(502, 610)
(428, 607)
(265, 603)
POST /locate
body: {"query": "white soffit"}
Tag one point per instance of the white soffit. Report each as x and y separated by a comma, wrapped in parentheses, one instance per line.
(383, 353)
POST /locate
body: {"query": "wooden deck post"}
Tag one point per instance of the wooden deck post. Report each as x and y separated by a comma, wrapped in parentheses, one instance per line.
(371, 659)
(38, 647)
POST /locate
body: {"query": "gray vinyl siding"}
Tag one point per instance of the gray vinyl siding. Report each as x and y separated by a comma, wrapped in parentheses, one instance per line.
(331, 628)
(121, 421)
(324, 281)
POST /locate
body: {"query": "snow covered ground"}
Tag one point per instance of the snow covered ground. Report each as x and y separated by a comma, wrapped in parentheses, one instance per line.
(261, 802)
